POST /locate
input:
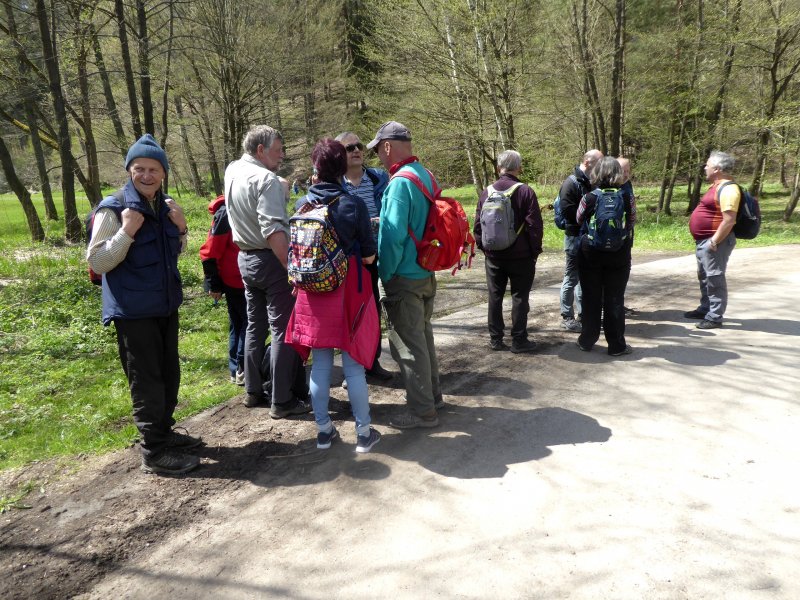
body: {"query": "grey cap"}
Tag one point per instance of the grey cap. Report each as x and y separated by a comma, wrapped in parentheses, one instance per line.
(392, 130)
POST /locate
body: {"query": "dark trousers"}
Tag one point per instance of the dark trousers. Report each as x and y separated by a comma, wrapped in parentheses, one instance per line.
(237, 328)
(148, 351)
(299, 385)
(604, 277)
(269, 305)
(520, 272)
(373, 271)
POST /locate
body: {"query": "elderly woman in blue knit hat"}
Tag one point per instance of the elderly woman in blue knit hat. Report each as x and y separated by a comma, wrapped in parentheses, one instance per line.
(137, 235)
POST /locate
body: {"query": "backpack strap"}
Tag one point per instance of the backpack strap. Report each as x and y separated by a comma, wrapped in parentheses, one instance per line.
(414, 178)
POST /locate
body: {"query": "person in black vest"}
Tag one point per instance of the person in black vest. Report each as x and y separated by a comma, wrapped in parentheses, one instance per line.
(136, 239)
(515, 264)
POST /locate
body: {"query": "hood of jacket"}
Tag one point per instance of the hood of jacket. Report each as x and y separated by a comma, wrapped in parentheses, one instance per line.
(325, 193)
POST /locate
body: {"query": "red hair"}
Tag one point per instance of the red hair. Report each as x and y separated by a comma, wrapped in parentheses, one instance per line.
(330, 160)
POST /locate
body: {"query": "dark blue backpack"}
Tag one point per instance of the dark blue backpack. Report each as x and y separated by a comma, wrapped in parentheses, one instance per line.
(748, 217)
(558, 216)
(606, 229)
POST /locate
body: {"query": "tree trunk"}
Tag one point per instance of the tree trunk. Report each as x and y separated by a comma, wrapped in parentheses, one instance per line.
(144, 68)
(462, 110)
(581, 24)
(51, 213)
(92, 166)
(713, 116)
(34, 224)
(127, 65)
(199, 188)
(72, 224)
(617, 79)
(165, 95)
(111, 105)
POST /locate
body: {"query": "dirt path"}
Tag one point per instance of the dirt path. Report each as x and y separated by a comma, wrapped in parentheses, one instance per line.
(559, 474)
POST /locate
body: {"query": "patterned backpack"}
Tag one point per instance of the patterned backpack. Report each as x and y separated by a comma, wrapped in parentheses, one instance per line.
(317, 261)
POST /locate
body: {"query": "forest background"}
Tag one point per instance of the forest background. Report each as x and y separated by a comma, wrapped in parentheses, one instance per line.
(661, 82)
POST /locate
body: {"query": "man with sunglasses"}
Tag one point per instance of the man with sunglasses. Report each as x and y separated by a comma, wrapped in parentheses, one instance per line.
(368, 184)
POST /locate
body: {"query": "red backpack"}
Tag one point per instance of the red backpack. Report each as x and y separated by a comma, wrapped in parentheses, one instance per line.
(447, 240)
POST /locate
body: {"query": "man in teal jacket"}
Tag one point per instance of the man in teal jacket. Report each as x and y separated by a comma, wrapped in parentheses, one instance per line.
(410, 289)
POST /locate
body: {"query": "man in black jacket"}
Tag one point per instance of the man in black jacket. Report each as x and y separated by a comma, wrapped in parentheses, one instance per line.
(572, 190)
(515, 263)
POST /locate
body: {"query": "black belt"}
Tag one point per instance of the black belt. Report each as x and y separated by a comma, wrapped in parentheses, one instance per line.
(256, 250)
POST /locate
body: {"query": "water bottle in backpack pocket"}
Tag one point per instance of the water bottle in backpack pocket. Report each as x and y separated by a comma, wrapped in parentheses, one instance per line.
(606, 229)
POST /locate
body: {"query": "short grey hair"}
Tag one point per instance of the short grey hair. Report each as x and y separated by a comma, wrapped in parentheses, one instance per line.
(509, 160)
(606, 173)
(722, 160)
(260, 134)
(344, 135)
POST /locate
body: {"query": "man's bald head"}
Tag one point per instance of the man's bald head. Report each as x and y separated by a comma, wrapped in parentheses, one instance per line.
(590, 159)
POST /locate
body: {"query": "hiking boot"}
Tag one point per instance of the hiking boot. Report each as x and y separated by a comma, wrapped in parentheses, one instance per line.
(522, 347)
(694, 314)
(324, 439)
(498, 345)
(626, 350)
(239, 378)
(378, 372)
(298, 407)
(251, 400)
(706, 324)
(438, 402)
(407, 420)
(364, 443)
(176, 439)
(571, 325)
(170, 462)
(583, 348)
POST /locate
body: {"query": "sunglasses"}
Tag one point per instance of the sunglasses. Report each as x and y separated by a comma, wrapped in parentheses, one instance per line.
(352, 147)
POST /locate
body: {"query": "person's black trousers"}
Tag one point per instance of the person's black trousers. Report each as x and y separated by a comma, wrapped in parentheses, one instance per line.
(148, 351)
(604, 277)
(520, 273)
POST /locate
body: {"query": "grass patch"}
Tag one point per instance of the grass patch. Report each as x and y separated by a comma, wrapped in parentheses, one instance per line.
(62, 391)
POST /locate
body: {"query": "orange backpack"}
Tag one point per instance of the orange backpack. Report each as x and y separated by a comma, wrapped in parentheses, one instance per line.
(447, 241)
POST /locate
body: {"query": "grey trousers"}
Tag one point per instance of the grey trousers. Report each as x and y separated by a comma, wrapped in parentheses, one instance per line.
(409, 307)
(711, 267)
(269, 305)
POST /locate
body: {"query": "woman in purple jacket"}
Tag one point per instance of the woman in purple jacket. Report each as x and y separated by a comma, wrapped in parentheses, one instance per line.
(345, 318)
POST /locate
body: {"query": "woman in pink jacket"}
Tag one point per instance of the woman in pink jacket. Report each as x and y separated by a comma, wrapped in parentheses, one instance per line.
(345, 318)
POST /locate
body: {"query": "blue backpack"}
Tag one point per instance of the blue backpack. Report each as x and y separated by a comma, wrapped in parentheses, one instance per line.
(748, 217)
(558, 216)
(606, 229)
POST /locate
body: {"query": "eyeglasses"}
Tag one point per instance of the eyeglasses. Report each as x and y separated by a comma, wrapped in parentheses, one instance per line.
(352, 147)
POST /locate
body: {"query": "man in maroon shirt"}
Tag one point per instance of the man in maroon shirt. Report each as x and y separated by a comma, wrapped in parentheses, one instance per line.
(711, 225)
(516, 263)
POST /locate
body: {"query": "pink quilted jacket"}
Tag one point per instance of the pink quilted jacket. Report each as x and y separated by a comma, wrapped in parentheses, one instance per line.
(345, 318)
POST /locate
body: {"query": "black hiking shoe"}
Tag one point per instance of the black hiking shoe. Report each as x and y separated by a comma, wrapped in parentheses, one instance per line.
(251, 400)
(170, 462)
(524, 346)
(176, 439)
(694, 314)
(498, 345)
(706, 324)
(299, 407)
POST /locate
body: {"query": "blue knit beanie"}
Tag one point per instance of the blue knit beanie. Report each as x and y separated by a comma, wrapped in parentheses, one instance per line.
(147, 147)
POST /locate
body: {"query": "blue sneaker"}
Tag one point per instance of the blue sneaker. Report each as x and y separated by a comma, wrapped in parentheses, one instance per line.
(366, 442)
(324, 439)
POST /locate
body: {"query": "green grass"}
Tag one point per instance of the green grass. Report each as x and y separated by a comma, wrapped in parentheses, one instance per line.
(62, 391)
